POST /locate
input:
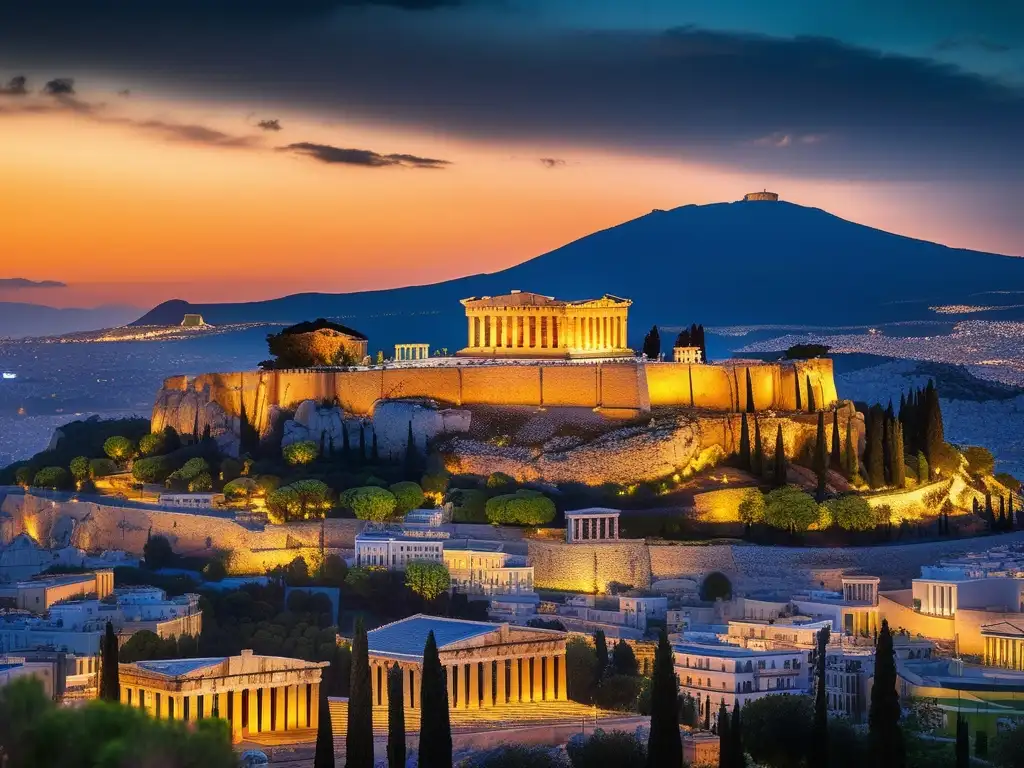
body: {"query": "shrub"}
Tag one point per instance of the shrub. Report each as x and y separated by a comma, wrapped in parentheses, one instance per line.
(980, 461)
(435, 482)
(468, 505)
(281, 504)
(52, 477)
(151, 444)
(752, 507)
(619, 692)
(101, 468)
(79, 468)
(499, 481)
(241, 488)
(201, 483)
(408, 495)
(118, 448)
(580, 669)
(371, 503)
(24, 475)
(790, 509)
(230, 469)
(851, 513)
(427, 579)
(214, 571)
(297, 454)
(612, 749)
(157, 553)
(520, 508)
(302, 500)
(154, 469)
(268, 483)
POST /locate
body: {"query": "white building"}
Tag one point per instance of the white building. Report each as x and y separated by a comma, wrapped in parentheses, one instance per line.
(191, 500)
(394, 549)
(12, 668)
(483, 568)
(796, 632)
(718, 672)
(592, 524)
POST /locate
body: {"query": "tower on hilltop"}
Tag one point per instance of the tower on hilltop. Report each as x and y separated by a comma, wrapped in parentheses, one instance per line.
(765, 195)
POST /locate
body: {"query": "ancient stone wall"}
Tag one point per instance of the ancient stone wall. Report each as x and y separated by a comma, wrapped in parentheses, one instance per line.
(579, 567)
(624, 385)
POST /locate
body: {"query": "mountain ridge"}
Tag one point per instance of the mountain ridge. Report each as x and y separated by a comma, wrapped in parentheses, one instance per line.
(721, 263)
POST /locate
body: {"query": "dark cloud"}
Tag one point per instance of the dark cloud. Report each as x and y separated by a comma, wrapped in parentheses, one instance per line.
(269, 125)
(193, 134)
(20, 283)
(325, 153)
(972, 43)
(60, 86)
(16, 86)
(552, 162)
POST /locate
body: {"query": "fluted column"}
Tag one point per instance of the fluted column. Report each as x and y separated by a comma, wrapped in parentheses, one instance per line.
(407, 697)
(281, 716)
(473, 700)
(314, 705)
(549, 678)
(514, 682)
(293, 706)
(452, 682)
(414, 688)
(625, 333)
(515, 331)
(537, 693)
(563, 689)
(492, 335)
(500, 697)
(236, 716)
(488, 684)
(383, 684)
(304, 705)
(265, 710)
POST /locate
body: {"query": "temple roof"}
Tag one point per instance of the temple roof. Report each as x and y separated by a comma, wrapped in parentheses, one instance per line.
(406, 638)
(529, 299)
(1004, 629)
(179, 667)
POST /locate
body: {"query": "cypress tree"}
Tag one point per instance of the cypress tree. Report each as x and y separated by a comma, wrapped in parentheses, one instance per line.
(757, 455)
(702, 343)
(362, 443)
(852, 461)
(818, 757)
(963, 744)
(836, 458)
(324, 755)
(900, 451)
(601, 647)
(903, 408)
(820, 457)
(664, 745)
(934, 437)
(707, 713)
(974, 505)
(396, 718)
(1002, 521)
(1002, 507)
(884, 714)
(359, 739)
(411, 458)
(890, 414)
(779, 467)
(346, 443)
(750, 394)
(989, 514)
(652, 344)
(811, 407)
(110, 677)
(725, 758)
(744, 452)
(796, 379)
(436, 751)
(374, 452)
(875, 457)
(736, 732)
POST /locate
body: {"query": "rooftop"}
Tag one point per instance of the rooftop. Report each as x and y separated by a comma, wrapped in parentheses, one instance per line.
(407, 638)
(724, 650)
(592, 511)
(178, 667)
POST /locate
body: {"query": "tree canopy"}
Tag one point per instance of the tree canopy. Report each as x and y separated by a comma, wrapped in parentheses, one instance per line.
(371, 503)
(790, 509)
(427, 578)
(520, 508)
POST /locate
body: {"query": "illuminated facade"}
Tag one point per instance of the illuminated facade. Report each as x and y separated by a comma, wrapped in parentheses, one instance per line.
(690, 355)
(255, 694)
(528, 325)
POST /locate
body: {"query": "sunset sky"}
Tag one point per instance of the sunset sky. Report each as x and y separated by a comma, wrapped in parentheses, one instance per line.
(417, 140)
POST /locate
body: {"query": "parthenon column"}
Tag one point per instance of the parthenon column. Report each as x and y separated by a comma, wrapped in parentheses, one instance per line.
(451, 686)
(563, 692)
(488, 692)
(265, 710)
(473, 672)
(514, 682)
(314, 705)
(407, 698)
(537, 691)
(549, 678)
(254, 712)
(293, 706)
(304, 705)
(414, 688)
(500, 697)
(384, 684)
(280, 716)
(515, 331)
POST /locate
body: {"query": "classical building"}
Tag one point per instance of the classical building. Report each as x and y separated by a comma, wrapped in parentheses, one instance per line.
(765, 196)
(394, 549)
(405, 352)
(255, 694)
(691, 355)
(483, 568)
(487, 665)
(529, 325)
(591, 524)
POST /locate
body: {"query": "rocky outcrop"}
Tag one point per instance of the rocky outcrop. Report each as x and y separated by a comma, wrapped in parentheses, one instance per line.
(390, 422)
(624, 455)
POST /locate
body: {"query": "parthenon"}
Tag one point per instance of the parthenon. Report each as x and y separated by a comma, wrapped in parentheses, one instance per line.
(528, 325)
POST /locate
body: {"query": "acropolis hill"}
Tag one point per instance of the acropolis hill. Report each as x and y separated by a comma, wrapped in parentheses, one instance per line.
(558, 365)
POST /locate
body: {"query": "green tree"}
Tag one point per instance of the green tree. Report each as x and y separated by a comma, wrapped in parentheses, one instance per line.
(23, 704)
(520, 508)
(101, 468)
(874, 458)
(724, 736)
(499, 481)
(427, 578)
(1008, 748)
(851, 512)
(750, 395)
(24, 475)
(110, 677)
(818, 757)
(371, 503)
(652, 344)
(412, 458)
(934, 437)
(624, 660)
(580, 670)
(664, 746)
(79, 468)
(241, 488)
(790, 509)
(201, 483)
(736, 733)
(157, 553)
(396, 718)
(752, 507)
(743, 456)
(608, 749)
(408, 496)
(980, 461)
(56, 478)
(145, 645)
(835, 457)
(118, 448)
(852, 465)
(716, 585)
(820, 457)
(435, 752)
(151, 444)
(468, 505)
(601, 652)
(359, 737)
(888, 749)
(300, 453)
(324, 755)
(963, 743)
(282, 505)
(777, 730)
(779, 461)
(152, 469)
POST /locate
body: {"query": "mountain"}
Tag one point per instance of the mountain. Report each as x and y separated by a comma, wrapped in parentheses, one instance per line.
(720, 264)
(18, 319)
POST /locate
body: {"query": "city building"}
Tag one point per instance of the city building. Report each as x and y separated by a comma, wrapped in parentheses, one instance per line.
(483, 568)
(429, 518)
(850, 671)
(700, 748)
(12, 668)
(853, 610)
(487, 665)
(721, 672)
(393, 549)
(521, 324)
(759, 634)
(38, 594)
(255, 694)
(591, 524)
(691, 355)
(405, 352)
